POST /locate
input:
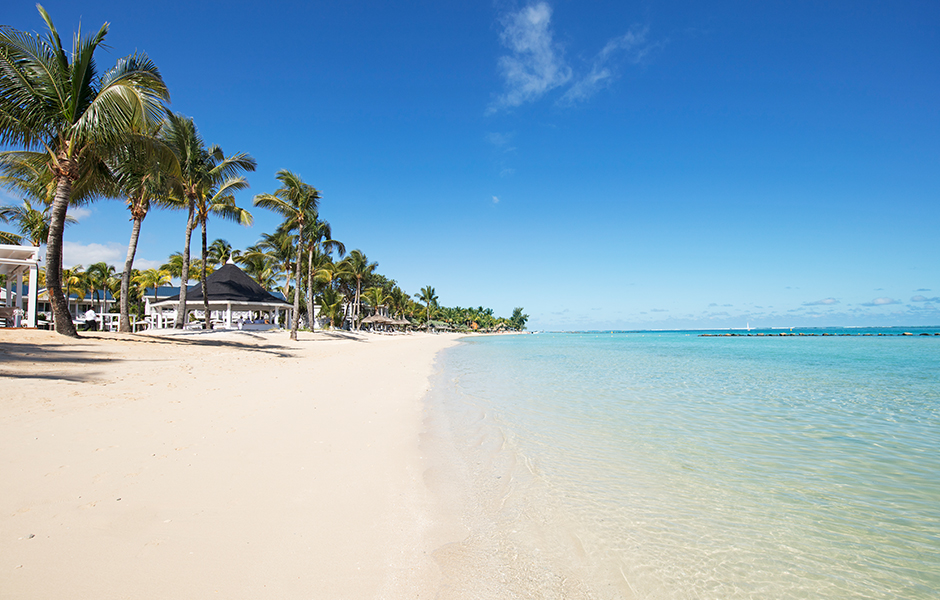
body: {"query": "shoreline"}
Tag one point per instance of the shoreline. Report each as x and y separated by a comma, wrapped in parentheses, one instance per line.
(234, 464)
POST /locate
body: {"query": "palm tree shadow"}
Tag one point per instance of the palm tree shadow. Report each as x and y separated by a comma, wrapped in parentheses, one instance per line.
(269, 348)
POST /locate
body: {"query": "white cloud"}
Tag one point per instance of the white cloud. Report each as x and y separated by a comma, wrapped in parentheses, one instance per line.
(919, 298)
(495, 201)
(112, 253)
(881, 302)
(602, 72)
(536, 64)
(823, 302)
(503, 141)
(79, 212)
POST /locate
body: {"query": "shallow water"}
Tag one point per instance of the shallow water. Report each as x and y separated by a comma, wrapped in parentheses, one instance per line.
(667, 465)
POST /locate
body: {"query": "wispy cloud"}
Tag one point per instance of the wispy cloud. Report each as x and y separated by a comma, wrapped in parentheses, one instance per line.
(495, 201)
(536, 63)
(823, 302)
(603, 67)
(919, 298)
(881, 302)
(79, 212)
(502, 141)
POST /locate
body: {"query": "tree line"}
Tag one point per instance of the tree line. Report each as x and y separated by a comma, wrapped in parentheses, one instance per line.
(82, 135)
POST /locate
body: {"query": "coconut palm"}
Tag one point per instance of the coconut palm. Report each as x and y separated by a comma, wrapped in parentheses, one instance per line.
(32, 223)
(357, 267)
(101, 277)
(73, 279)
(331, 307)
(429, 298)
(376, 297)
(57, 102)
(276, 250)
(145, 172)
(219, 202)
(206, 176)
(220, 251)
(320, 268)
(152, 278)
(259, 266)
(297, 202)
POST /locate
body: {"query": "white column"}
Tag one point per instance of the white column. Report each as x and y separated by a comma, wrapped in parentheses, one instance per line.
(33, 295)
(228, 315)
(9, 300)
(19, 297)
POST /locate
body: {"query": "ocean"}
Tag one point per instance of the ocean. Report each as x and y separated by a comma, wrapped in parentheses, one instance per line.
(671, 465)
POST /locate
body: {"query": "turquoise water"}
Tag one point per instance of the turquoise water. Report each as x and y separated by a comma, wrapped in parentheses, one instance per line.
(668, 465)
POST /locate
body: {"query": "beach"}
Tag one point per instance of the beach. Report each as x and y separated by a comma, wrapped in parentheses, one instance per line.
(229, 465)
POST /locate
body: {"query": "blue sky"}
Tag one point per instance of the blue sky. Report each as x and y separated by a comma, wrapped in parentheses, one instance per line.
(610, 165)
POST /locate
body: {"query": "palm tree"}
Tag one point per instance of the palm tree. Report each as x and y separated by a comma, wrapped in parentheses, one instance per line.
(518, 320)
(73, 278)
(61, 105)
(32, 224)
(276, 251)
(100, 277)
(152, 278)
(220, 251)
(320, 247)
(205, 178)
(357, 267)
(429, 298)
(297, 202)
(376, 297)
(331, 306)
(219, 202)
(144, 170)
(259, 266)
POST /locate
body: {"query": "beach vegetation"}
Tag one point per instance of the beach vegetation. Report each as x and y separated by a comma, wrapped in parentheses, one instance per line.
(60, 110)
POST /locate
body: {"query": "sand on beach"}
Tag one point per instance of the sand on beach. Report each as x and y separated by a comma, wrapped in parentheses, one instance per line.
(229, 465)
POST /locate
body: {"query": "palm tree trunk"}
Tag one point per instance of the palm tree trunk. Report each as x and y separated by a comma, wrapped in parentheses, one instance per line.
(358, 302)
(125, 326)
(180, 321)
(202, 277)
(60, 306)
(310, 316)
(296, 323)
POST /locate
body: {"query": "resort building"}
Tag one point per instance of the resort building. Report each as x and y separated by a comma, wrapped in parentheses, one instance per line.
(236, 301)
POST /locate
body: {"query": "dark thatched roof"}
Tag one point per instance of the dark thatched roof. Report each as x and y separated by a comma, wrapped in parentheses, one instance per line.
(230, 284)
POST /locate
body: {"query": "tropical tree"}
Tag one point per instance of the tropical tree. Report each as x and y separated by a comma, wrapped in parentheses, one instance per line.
(297, 202)
(331, 307)
(376, 297)
(220, 251)
(259, 266)
(429, 297)
(73, 279)
(356, 267)
(56, 102)
(207, 177)
(152, 278)
(320, 267)
(220, 202)
(145, 171)
(32, 223)
(174, 265)
(101, 277)
(276, 251)
(518, 320)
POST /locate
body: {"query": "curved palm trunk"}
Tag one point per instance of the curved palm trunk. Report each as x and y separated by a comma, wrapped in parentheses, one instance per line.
(310, 315)
(180, 321)
(296, 323)
(202, 278)
(60, 306)
(125, 326)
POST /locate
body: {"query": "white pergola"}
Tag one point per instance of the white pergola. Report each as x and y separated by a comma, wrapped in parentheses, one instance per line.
(15, 261)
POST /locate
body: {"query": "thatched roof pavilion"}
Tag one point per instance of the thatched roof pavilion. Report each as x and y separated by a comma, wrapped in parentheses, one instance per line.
(230, 289)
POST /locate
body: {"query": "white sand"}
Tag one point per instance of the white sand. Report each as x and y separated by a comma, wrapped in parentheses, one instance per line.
(226, 465)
